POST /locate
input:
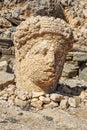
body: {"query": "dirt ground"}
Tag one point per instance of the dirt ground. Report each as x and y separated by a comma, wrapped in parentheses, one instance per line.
(13, 118)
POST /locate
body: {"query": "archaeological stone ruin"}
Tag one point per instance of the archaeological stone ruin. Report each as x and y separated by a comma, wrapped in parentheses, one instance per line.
(43, 54)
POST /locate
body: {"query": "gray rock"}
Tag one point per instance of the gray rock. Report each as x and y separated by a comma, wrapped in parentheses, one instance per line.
(66, 89)
(70, 70)
(83, 71)
(16, 13)
(80, 56)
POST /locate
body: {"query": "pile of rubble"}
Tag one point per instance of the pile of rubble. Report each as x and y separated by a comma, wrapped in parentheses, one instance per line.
(65, 97)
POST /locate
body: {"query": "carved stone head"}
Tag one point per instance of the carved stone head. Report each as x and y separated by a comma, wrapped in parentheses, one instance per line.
(41, 46)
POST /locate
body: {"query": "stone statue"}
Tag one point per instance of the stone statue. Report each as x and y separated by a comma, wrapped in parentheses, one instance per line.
(41, 46)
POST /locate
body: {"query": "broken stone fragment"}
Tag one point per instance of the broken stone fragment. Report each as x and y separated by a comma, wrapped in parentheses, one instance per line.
(74, 102)
(3, 65)
(4, 23)
(64, 104)
(5, 79)
(51, 105)
(41, 46)
(37, 104)
(44, 99)
(56, 97)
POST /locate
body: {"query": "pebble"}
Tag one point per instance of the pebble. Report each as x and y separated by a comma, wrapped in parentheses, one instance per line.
(37, 104)
(66, 89)
(37, 94)
(45, 100)
(56, 97)
(51, 105)
(72, 102)
(83, 95)
(64, 104)
(19, 102)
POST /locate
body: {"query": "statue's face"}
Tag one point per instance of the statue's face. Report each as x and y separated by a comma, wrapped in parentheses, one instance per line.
(43, 61)
(41, 44)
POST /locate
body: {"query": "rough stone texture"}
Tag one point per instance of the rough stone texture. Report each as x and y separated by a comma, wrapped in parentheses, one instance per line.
(64, 104)
(73, 12)
(73, 102)
(5, 79)
(47, 8)
(44, 99)
(3, 65)
(56, 97)
(37, 104)
(4, 23)
(51, 105)
(41, 45)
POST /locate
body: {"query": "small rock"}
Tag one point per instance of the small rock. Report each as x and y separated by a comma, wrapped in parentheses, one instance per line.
(11, 90)
(11, 100)
(66, 89)
(83, 95)
(47, 95)
(12, 120)
(16, 13)
(22, 97)
(20, 113)
(72, 102)
(34, 99)
(26, 107)
(45, 100)
(21, 94)
(51, 105)
(5, 96)
(4, 23)
(3, 65)
(37, 94)
(19, 102)
(5, 79)
(64, 104)
(48, 118)
(76, 22)
(56, 97)
(37, 104)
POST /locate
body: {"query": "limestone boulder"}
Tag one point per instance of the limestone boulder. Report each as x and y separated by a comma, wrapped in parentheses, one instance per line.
(41, 46)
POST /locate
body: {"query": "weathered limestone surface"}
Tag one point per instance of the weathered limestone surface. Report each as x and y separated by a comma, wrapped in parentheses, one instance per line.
(41, 45)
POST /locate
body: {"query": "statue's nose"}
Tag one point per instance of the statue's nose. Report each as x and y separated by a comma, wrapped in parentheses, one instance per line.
(51, 56)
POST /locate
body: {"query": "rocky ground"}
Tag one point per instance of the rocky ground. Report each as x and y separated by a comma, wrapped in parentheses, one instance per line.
(66, 108)
(49, 119)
